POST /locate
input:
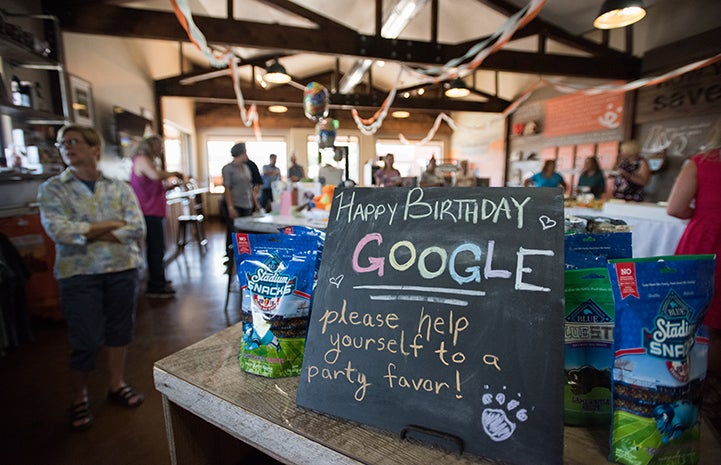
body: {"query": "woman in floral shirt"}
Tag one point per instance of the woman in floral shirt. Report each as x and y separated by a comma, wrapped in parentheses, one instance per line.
(97, 227)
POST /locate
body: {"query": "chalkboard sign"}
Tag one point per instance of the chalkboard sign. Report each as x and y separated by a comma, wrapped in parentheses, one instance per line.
(438, 315)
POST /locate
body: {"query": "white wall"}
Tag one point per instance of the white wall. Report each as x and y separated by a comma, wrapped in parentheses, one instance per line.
(480, 139)
(121, 73)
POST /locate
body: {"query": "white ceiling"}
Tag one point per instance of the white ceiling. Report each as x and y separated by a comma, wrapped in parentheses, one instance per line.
(459, 21)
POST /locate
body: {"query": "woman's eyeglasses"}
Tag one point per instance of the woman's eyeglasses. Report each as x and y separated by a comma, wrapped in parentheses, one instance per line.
(68, 143)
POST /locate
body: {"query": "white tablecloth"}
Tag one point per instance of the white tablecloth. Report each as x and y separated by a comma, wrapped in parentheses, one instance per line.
(649, 237)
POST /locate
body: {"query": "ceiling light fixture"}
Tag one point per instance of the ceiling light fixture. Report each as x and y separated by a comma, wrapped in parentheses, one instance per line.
(457, 89)
(619, 13)
(276, 74)
(277, 108)
(400, 114)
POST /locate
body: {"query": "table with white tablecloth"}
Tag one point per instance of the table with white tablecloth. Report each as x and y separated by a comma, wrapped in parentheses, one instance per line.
(653, 232)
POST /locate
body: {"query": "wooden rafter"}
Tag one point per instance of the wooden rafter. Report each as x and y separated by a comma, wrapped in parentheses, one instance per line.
(105, 19)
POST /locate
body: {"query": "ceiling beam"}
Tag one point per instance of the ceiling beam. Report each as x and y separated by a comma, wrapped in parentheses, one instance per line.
(222, 90)
(682, 52)
(104, 19)
(323, 22)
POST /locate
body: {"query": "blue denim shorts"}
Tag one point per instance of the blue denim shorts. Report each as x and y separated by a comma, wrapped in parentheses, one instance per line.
(100, 311)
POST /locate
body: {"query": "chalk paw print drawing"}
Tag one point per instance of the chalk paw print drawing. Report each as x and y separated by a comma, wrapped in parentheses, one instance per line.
(499, 415)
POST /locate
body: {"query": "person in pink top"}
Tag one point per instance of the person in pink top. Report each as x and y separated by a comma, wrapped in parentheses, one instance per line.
(146, 179)
(696, 196)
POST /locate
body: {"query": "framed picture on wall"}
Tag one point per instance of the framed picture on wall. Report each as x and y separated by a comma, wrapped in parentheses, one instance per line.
(81, 97)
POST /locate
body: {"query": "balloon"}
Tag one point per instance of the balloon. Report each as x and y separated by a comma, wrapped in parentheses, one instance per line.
(315, 101)
(325, 131)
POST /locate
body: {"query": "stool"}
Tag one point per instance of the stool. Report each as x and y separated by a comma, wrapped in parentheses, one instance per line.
(185, 221)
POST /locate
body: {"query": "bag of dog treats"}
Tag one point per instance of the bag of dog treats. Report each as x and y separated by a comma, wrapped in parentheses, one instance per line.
(276, 276)
(589, 321)
(592, 250)
(660, 360)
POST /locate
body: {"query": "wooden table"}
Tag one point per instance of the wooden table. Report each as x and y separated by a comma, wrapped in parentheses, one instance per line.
(216, 414)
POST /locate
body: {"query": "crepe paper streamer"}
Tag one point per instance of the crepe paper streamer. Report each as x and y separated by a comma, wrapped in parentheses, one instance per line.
(370, 126)
(570, 89)
(454, 67)
(449, 71)
(185, 18)
(251, 116)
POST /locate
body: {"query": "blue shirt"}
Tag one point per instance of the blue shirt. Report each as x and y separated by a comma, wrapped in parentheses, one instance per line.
(539, 180)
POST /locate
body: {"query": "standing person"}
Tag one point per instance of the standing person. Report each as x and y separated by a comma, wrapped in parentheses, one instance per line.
(631, 172)
(388, 175)
(547, 177)
(295, 171)
(696, 196)
(429, 178)
(239, 198)
(592, 177)
(271, 173)
(146, 179)
(96, 225)
(464, 176)
(257, 183)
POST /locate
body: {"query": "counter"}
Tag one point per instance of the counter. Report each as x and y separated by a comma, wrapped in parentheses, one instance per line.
(217, 414)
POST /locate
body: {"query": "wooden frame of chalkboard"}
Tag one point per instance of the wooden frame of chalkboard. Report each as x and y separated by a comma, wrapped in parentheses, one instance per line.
(439, 312)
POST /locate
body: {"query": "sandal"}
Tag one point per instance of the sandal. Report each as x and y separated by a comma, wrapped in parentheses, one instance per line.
(80, 417)
(125, 395)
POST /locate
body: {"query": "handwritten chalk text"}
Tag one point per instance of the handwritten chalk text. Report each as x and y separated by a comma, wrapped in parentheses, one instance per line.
(457, 210)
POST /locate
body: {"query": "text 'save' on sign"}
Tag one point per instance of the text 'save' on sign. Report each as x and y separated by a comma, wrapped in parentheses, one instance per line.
(438, 314)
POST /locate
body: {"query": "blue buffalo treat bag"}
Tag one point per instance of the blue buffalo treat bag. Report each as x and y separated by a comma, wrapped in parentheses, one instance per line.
(589, 321)
(275, 272)
(591, 250)
(660, 357)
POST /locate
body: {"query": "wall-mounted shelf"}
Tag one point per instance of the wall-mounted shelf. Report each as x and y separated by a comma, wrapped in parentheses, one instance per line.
(32, 116)
(21, 55)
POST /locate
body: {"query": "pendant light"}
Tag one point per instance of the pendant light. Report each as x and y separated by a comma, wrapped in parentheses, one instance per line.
(619, 13)
(457, 89)
(276, 74)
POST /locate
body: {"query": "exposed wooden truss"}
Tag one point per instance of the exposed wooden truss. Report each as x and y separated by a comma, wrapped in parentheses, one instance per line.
(114, 18)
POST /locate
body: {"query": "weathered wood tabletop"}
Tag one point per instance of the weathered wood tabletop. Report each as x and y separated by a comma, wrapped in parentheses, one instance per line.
(205, 378)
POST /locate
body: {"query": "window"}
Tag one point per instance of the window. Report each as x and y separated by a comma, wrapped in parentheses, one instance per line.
(410, 160)
(317, 159)
(218, 149)
(177, 150)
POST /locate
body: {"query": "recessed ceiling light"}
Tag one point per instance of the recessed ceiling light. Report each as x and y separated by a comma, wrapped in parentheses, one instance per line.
(277, 108)
(400, 114)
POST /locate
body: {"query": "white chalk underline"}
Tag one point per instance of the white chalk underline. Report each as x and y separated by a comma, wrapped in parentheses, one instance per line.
(441, 290)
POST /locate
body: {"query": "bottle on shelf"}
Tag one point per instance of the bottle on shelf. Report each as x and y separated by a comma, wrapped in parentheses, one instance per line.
(15, 92)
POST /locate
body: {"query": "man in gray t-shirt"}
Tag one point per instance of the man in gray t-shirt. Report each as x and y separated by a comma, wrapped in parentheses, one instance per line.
(238, 183)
